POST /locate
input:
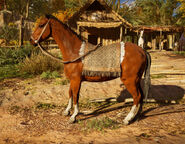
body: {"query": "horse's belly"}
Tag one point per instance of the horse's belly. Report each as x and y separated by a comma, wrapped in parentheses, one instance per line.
(97, 79)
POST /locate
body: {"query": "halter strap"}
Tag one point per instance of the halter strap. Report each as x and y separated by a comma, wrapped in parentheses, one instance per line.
(43, 30)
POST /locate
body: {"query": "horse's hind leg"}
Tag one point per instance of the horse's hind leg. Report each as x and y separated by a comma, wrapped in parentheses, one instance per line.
(133, 86)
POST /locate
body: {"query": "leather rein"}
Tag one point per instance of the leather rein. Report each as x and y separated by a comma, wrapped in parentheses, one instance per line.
(54, 57)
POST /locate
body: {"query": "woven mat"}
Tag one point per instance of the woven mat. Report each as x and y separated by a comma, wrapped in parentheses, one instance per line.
(104, 61)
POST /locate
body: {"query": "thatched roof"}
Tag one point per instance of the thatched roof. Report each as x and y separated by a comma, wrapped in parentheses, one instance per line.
(160, 28)
(101, 5)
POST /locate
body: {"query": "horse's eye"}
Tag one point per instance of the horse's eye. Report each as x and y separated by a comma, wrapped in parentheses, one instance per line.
(41, 25)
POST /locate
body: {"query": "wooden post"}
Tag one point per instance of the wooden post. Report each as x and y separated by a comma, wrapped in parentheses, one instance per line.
(170, 41)
(160, 40)
(154, 42)
(121, 33)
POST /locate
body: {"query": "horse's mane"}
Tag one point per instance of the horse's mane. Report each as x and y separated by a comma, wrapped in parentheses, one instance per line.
(49, 16)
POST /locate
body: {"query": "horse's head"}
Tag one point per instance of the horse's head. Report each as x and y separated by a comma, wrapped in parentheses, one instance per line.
(42, 31)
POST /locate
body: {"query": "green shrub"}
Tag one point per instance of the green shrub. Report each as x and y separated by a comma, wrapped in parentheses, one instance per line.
(50, 75)
(14, 55)
(9, 71)
(38, 63)
(180, 53)
(9, 32)
(101, 124)
(45, 106)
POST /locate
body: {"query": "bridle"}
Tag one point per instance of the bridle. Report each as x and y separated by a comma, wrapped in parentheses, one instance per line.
(52, 56)
(43, 30)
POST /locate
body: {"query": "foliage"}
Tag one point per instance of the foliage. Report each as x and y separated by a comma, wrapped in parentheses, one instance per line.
(156, 76)
(14, 56)
(64, 15)
(180, 53)
(74, 4)
(33, 9)
(9, 71)
(45, 106)
(9, 32)
(152, 12)
(155, 12)
(50, 75)
(9, 60)
(115, 4)
(182, 7)
(38, 63)
(101, 124)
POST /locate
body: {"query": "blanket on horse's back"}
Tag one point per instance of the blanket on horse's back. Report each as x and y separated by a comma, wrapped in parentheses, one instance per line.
(103, 61)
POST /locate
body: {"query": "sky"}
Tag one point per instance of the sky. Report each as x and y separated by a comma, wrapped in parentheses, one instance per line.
(126, 0)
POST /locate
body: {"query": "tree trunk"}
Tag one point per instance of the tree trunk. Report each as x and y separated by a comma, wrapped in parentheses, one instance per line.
(21, 31)
(27, 9)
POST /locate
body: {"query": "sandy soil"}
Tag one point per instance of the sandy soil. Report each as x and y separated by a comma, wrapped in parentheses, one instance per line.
(31, 109)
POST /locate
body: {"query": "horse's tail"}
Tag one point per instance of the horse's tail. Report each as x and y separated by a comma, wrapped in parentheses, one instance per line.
(147, 80)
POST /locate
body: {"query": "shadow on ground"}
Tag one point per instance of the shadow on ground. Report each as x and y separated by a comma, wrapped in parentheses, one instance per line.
(160, 93)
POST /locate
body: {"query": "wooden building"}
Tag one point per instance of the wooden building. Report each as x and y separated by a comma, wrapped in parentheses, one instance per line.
(161, 37)
(97, 23)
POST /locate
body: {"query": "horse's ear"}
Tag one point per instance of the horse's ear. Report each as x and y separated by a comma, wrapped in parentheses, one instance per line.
(47, 16)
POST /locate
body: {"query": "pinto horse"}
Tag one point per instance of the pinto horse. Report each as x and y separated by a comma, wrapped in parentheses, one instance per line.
(136, 62)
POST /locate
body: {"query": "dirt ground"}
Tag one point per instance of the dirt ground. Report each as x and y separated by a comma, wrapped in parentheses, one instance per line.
(31, 109)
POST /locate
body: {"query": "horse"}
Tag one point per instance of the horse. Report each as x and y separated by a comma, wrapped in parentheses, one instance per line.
(136, 62)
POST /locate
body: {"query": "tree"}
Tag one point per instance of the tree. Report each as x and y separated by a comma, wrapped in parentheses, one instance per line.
(115, 4)
(31, 9)
(180, 13)
(182, 7)
(152, 12)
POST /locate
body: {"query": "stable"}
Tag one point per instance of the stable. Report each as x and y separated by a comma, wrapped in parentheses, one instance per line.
(97, 23)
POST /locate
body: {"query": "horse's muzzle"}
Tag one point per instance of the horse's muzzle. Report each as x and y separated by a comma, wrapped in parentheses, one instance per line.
(33, 42)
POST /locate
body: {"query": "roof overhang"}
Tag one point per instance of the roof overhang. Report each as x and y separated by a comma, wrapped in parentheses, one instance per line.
(99, 24)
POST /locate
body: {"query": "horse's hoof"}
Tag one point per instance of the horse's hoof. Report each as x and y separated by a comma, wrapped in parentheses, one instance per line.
(126, 122)
(72, 120)
(66, 113)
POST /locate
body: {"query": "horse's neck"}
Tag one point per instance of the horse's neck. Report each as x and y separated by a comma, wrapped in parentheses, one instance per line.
(67, 41)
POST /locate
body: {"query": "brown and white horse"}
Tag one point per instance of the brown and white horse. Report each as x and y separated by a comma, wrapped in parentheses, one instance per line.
(136, 62)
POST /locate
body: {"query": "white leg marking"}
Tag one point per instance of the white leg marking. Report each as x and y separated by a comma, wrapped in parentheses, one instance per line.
(131, 115)
(73, 117)
(69, 106)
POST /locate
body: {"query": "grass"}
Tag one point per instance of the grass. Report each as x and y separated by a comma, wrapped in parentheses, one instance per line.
(26, 62)
(157, 76)
(8, 71)
(99, 124)
(50, 75)
(180, 53)
(45, 106)
(38, 63)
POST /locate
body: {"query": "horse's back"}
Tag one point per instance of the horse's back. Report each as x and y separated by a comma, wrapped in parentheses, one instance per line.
(134, 51)
(134, 60)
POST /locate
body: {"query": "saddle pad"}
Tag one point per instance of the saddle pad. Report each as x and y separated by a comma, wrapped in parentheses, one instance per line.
(104, 61)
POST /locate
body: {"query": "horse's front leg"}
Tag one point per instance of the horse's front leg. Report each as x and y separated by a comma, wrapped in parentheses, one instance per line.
(70, 103)
(75, 89)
